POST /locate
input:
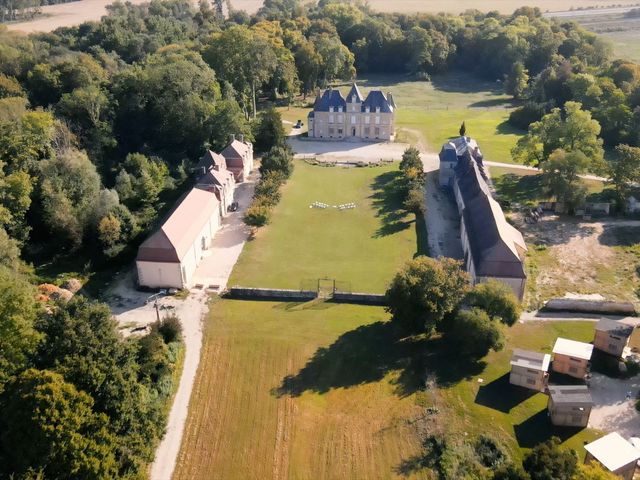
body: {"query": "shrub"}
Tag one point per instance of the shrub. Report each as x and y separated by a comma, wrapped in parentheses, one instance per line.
(497, 299)
(547, 461)
(473, 333)
(170, 328)
(491, 454)
(277, 160)
(415, 201)
(257, 215)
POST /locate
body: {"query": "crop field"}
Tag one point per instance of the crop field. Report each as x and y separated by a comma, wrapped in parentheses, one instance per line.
(304, 243)
(435, 6)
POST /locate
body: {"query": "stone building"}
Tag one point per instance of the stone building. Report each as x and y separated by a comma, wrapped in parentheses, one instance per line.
(353, 117)
(569, 405)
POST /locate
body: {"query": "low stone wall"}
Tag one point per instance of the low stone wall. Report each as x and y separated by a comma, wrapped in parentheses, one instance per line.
(360, 298)
(276, 294)
(590, 306)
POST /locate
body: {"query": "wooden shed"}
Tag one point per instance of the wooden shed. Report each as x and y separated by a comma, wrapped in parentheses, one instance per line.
(569, 405)
(612, 337)
(615, 454)
(571, 357)
(529, 369)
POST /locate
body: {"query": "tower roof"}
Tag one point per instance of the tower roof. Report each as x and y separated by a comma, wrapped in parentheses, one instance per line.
(354, 95)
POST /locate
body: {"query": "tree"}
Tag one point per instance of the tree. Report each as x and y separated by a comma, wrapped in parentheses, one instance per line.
(227, 118)
(547, 461)
(257, 215)
(624, 170)
(68, 192)
(426, 290)
(55, 429)
(497, 299)
(572, 131)
(473, 333)
(561, 175)
(109, 230)
(411, 159)
(415, 202)
(18, 310)
(269, 131)
(277, 160)
(510, 472)
(517, 81)
(463, 129)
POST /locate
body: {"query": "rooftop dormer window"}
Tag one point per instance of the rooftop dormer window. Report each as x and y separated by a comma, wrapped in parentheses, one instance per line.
(331, 109)
(377, 109)
(339, 109)
(368, 109)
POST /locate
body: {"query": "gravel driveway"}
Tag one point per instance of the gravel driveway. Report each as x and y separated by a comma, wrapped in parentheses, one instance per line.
(612, 410)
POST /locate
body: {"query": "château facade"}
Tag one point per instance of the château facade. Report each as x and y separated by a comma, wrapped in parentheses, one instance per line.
(334, 117)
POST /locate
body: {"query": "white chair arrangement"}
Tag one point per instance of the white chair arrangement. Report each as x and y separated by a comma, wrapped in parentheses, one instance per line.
(346, 206)
(318, 205)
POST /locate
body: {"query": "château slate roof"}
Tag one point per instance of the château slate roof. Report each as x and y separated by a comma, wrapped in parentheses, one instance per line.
(333, 98)
(377, 99)
(330, 98)
(354, 92)
(496, 246)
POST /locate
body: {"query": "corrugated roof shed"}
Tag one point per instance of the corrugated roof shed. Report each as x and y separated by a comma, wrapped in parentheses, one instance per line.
(613, 451)
(574, 394)
(529, 359)
(614, 327)
(571, 348)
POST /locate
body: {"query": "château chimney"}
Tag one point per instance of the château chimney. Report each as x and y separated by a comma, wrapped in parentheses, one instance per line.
(241, 137)
(232, 137)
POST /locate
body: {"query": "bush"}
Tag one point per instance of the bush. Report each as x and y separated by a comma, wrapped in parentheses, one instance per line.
(473, 333)
(257, 215)
(491, 454)
(497, 299)
(415, 202)
(170, 328)
(547, 461)
(277, 160)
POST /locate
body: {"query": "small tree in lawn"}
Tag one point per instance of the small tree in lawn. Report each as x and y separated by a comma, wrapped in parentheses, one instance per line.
(473, 333)
(561, 175)
(424, 291)
(414, 202)
(624, 170)
(463, 129)
(278, 160)
(497, 299)
(269, 131)
(411, 160)
(257, 215)
(547, 461)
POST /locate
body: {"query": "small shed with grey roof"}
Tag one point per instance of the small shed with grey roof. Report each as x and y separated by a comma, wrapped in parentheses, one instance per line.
(612, 336)
(615, 454)
(569, 405)
(529, 369)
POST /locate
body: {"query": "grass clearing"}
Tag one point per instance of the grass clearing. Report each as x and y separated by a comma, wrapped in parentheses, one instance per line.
(363, 246)
(320, 390)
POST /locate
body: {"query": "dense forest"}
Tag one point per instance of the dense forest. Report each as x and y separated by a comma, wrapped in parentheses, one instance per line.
(101, 124)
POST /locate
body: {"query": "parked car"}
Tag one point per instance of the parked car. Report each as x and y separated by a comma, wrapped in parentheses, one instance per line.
(233, 207)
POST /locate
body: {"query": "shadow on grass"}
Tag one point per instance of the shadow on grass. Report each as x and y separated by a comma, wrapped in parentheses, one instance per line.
(422, 237)
(387, 200)
(538, 428)
(505, 128)
(368, 353)
(614, 236)
(493, 102)
(519, 188)
(501, 395)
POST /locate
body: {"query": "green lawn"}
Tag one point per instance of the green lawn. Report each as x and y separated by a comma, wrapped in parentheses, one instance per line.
(363, 246)
(320, 390)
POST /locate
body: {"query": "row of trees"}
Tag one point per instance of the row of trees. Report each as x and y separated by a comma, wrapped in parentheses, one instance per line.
(276, 167)
(77, 400)
(565, 143)
(486, 459)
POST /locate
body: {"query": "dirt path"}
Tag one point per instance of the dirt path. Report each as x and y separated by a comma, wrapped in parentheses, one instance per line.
(516, 166)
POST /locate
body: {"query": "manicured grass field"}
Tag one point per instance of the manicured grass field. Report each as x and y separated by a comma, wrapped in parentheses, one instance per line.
(363, 246)
(321, 390)
(431, 112)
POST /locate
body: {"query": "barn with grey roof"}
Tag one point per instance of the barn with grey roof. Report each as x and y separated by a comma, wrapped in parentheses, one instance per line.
(493, 249)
